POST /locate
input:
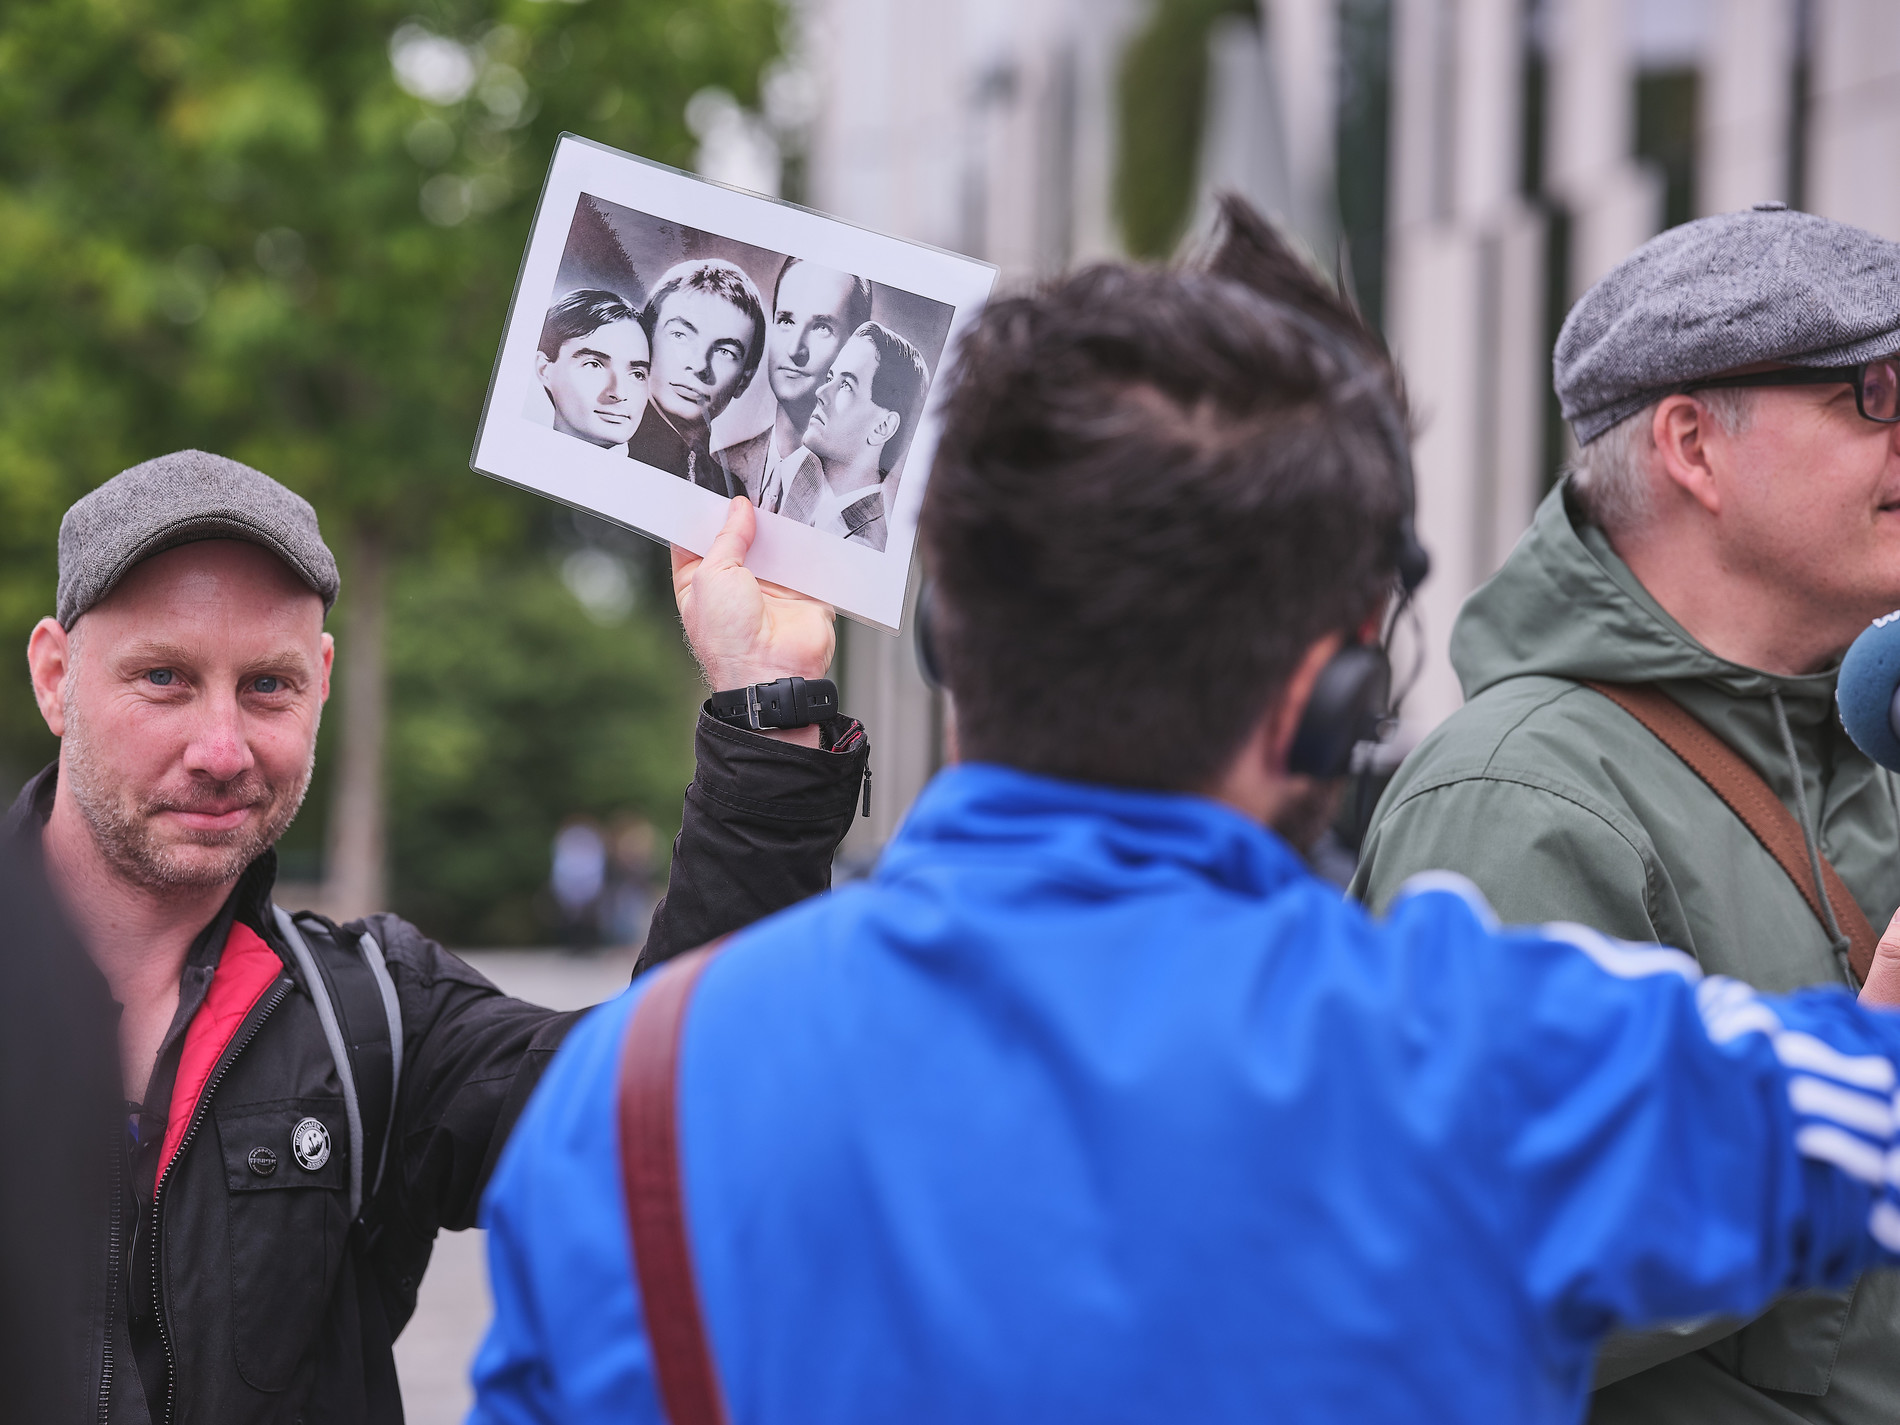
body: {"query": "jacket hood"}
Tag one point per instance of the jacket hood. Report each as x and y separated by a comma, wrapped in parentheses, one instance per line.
(1564, 605)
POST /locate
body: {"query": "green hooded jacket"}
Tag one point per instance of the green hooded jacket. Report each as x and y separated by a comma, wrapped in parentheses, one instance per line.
(1562, 807)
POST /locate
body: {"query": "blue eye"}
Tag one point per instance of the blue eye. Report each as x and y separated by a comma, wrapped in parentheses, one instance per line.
(163, 677)
(268, 685)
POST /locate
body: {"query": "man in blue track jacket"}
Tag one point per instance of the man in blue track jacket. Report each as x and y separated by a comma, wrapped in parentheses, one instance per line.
(1094, 1104)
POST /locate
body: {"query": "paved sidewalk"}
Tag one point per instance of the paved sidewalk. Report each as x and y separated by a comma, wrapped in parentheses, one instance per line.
(452, 1309)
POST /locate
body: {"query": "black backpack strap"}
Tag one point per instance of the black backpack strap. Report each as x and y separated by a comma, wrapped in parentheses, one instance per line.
(362, 1019)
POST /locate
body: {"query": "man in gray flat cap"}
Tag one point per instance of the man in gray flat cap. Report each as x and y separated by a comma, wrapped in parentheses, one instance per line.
(306, 1104)
(1731, 523)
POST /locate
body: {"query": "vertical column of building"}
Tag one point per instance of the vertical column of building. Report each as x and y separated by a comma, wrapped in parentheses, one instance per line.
(886, 145)
(1853, 123)
(890, 149)
(1095, 33)
(1464, 277)
(1747, 98)
(1244, 148)
(982, 126)
(1615, 204)
(1303, 53)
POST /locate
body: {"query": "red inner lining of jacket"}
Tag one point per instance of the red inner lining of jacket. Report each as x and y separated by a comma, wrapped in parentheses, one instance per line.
(246, 968)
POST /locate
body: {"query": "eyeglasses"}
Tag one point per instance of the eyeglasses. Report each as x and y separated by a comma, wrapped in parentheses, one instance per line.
(1876, 384)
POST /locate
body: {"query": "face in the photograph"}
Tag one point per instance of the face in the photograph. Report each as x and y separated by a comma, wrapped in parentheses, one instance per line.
(815, 310)
(700, 349)
(599, 382)
(848, 426)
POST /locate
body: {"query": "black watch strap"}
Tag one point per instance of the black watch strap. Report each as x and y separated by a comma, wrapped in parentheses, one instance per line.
(790, 702)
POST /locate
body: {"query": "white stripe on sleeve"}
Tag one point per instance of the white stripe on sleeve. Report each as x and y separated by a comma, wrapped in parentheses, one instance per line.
(1731, 1009)
(1854, 1156)
(1804, 1051)
(1861, 1112)
(1621, 958)
(1450, 883)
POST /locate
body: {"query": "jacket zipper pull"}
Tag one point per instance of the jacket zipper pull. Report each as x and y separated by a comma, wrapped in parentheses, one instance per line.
(867, 789)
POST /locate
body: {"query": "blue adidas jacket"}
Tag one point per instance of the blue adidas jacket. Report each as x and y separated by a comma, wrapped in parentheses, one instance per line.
(1094, 1105)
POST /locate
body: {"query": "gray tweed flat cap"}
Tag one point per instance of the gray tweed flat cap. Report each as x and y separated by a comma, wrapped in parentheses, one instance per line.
(1768, 284)
(178, 499)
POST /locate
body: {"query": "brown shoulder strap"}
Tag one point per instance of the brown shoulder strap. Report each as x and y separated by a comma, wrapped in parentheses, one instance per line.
(656, 1208)
(1750, 798)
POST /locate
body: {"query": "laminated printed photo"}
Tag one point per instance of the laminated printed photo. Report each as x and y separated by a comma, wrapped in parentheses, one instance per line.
(674, 343)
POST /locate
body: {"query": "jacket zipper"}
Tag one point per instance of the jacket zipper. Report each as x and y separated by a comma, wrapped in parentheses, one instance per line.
(113, 1285)
(238, 1046)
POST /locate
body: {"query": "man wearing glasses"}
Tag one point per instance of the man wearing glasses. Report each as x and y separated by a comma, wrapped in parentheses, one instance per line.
(1731, 523)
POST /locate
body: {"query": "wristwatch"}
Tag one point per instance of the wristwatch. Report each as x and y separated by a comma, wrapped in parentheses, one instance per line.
(790, 702)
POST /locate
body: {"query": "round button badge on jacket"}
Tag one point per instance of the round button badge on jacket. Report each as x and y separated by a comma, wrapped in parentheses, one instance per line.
(263, 1162)
(310, 1142)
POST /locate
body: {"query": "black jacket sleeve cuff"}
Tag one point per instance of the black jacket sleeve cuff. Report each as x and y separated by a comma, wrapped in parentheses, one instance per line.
(762, 821)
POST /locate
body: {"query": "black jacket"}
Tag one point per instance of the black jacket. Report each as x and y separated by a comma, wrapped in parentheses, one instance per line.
(659, 443)
(245, 1293)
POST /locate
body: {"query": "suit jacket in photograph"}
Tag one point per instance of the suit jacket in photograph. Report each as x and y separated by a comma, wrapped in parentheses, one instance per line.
(659, 443)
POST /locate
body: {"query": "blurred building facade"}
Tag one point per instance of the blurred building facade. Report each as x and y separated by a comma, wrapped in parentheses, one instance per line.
(1473, 165)
(985, 126)
(1534, 145)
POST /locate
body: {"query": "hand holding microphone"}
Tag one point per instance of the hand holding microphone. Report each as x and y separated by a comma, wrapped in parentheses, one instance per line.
(1868, 695)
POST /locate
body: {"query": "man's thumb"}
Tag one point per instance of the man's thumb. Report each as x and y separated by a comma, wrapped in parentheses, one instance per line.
(1883, 977)
(735, 535)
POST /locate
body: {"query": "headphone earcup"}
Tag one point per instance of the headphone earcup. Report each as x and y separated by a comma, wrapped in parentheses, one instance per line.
(1413, 559)
(921, 633)
(1349, 702)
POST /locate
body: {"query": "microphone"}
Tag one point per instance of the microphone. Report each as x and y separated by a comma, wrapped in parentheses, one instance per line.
(1868, 692)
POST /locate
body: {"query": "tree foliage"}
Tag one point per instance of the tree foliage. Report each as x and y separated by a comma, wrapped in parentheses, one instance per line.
(288, 232)
(503, 725)
(1161, 112)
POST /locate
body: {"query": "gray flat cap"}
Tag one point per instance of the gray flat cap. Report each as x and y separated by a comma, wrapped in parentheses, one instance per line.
(178, 499)
(1769, 284)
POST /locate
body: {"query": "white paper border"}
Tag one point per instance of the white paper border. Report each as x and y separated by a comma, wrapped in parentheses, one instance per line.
(864, 583)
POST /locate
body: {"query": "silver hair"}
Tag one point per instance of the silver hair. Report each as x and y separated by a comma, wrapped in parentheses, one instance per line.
(1611, 474)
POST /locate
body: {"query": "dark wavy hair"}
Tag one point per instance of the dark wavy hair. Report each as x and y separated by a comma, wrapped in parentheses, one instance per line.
(1155, 491)
(581, 314)
(721, 279)
(898, 385)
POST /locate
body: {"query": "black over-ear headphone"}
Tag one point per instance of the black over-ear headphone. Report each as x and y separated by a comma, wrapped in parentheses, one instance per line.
(1351, 701)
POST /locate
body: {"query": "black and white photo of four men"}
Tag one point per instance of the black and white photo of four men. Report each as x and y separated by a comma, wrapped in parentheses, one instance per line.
(848, 390)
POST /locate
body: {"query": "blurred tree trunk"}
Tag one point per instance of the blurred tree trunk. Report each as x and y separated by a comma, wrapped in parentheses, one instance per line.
(354, 857)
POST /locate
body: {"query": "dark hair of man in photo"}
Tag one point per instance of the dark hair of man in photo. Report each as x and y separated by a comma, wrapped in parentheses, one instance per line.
(897, 385)
(719, 278)
(857, 309)
(581, 314)
(1157, 489)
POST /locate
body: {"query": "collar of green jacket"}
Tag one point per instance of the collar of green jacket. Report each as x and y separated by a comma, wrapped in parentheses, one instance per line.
(1566, 606)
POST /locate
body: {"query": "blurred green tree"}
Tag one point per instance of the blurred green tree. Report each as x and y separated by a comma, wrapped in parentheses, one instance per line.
(474, 799)
(288, 232)
(1161, 111)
